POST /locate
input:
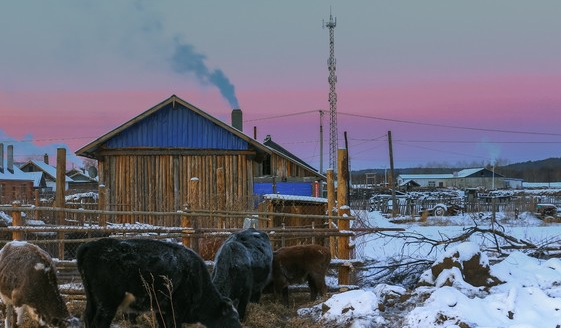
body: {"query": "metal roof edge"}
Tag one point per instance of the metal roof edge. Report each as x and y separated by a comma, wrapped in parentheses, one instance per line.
(87, 150)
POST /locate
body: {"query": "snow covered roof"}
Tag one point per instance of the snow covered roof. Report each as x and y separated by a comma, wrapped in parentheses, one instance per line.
(425, 176)
(18, 174)
(460, 174)
(296, 198)
(37, 176)
(46, 168)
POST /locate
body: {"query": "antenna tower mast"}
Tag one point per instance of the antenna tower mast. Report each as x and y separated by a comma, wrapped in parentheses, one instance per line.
(332, 94)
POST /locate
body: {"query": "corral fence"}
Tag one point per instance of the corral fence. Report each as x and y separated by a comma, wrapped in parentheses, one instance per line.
(415, 207)
(60, 231)
(43, 225)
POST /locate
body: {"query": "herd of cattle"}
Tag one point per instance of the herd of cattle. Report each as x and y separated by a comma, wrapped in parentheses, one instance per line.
(167, 279)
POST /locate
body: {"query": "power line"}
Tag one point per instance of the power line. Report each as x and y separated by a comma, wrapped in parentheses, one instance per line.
(45, 139)
(281, 116)
(451, 126)
(479, 142)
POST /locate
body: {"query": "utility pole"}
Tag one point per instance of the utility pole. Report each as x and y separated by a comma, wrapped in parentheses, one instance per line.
(321, 113)
(332, 94)
(347, 164)
(391, 177)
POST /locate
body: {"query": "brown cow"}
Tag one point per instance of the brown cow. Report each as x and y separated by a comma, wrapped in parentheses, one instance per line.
(296, 264)
(28, 283)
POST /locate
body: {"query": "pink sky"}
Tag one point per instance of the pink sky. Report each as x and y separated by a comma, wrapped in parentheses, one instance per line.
(527, 104)
(68, 80)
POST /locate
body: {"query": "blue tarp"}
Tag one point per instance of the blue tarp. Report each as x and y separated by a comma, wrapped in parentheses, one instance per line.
(284, 188)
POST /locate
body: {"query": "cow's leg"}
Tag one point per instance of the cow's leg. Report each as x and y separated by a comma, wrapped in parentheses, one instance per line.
(103, 314)
(312, 283)
(255, 296)
(285, 295)
(242, 305)
(9, 317)
(89, 312)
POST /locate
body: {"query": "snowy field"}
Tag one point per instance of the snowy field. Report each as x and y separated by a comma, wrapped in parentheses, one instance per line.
(529, 297)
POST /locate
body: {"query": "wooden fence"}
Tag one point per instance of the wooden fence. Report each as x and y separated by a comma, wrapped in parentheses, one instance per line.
(38, 225)
(415, 207)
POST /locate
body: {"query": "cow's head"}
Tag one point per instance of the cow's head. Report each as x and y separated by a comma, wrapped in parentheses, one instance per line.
(229, 317)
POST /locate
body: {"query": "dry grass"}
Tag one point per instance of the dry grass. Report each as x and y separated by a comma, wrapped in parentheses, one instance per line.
(267, 314)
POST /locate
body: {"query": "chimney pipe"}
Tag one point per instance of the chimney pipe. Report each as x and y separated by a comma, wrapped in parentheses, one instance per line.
(1, 158)
(11, 158)
(255, 132)
(237, 119)
(46, 158)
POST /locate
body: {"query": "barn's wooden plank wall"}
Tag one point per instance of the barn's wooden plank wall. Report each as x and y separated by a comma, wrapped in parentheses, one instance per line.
(161, 182)
(282, 167)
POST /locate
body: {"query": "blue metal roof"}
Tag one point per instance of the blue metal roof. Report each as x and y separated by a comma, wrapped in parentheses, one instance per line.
(175, 126)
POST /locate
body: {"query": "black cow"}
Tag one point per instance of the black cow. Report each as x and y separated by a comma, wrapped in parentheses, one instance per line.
(138, 275)
(243, 267)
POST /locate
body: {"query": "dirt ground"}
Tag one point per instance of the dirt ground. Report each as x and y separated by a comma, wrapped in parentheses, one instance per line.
(267, 314)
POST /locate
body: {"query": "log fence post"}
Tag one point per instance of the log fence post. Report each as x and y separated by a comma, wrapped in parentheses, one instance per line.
(17, 221)
(37, 213)
(101, 204)
(60, 194)
(330, 206)
(191, 222)
(343, 250)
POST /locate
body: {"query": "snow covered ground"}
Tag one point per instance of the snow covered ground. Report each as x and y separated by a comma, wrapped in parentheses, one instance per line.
(529, 297)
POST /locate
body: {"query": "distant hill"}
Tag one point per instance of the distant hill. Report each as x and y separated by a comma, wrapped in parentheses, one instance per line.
(546, 170)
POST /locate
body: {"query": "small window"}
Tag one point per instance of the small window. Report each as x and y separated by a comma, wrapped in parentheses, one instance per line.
(267, 166)
(432, 184)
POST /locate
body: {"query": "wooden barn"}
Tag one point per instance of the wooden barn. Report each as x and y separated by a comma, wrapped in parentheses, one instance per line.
(147, 163)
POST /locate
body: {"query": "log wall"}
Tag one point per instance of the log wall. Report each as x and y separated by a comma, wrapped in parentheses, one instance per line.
(160, 183)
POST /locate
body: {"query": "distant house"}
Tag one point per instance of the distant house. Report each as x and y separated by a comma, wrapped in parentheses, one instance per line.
(49, 172)
(147, 163)
(467, 178)
(81, 181)
(16, 185)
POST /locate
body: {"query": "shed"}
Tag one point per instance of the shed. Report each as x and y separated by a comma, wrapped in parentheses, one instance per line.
(466, 178)
(147, 163)
(81, 182)
(300, 205)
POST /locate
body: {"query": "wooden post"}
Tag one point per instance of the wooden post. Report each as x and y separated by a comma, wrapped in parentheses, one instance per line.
(392, 176)
(102, 194)
(17, 221)
(37, 204)
(221, 195)
(60, 194)
(330, 207)
(343, 249)
(188, 222)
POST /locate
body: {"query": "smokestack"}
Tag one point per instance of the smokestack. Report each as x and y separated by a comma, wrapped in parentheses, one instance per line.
(46, 158)
(1, 158)
(11, 158)
(237, 119)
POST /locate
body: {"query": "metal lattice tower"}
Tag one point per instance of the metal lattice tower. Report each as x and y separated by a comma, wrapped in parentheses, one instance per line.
(332, 94)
